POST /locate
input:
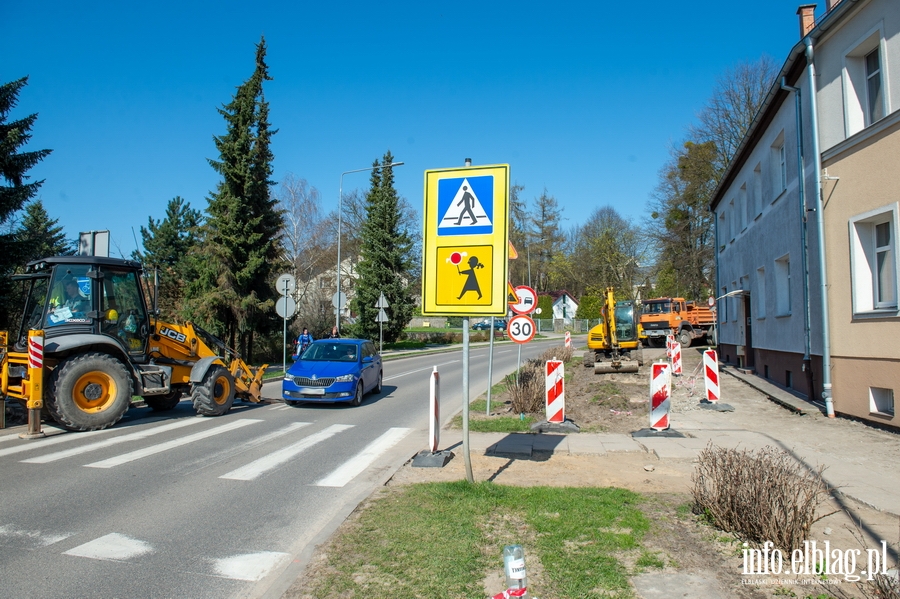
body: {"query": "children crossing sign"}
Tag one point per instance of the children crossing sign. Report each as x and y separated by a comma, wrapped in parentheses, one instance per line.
(465, 241)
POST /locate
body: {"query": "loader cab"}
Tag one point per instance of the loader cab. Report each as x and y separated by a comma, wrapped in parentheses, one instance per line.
(87, 295)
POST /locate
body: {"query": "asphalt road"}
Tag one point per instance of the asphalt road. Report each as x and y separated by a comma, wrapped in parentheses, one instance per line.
(177, 505)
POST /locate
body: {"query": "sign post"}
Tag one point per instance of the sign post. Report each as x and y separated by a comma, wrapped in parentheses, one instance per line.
(381, 319)
(285, 307)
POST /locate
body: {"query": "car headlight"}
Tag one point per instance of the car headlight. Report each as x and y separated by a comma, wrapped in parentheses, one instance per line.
(345, 378)
(288, 377)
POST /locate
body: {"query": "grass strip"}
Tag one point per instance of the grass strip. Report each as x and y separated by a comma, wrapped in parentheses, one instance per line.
(441, 539)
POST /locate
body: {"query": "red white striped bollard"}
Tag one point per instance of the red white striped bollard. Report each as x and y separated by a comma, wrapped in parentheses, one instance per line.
(676, 358)
(670, 341)
(660, 392)
(711, 374)
(568, 339)
(556, 392)
(434, 425)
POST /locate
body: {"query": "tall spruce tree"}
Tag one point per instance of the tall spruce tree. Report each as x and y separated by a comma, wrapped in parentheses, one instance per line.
(15, 189)
(167, 244)
(385, 263)
(232, 291)
(40, 236)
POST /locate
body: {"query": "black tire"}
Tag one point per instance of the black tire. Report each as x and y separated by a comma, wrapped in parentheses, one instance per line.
(685, 338)
(357, 397)
(377, 388)
(163, 403)
(214, 395)
(89, 392)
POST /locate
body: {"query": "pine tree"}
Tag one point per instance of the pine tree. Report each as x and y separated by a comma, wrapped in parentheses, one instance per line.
(167, 244)
(232, 290)
(14, 188)
(385, 263)
(40, 236)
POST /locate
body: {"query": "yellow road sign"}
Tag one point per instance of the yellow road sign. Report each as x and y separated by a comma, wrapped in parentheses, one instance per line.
(465, 241)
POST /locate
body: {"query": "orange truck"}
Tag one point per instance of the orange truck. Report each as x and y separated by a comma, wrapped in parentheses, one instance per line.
(674, 316)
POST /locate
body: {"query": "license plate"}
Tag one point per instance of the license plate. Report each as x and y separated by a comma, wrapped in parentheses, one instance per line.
(312, 391)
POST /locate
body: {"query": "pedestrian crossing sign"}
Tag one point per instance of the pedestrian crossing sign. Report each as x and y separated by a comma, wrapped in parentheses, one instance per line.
(465, 241)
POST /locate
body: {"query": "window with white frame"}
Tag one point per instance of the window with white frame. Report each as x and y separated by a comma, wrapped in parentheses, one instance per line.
(865, 102)
(881, 401)
(783, 286)
(724, 234)
(873, 260)
(756, 191)
(746, 208)
(760, 292)
(733, 226)
(779, 167)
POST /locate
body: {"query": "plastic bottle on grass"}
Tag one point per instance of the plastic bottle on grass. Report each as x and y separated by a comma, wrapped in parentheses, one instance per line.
(514, 567)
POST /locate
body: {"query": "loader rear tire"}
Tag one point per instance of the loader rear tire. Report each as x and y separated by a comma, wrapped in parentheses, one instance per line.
(89, 392)
(163, 403)
(214, 395)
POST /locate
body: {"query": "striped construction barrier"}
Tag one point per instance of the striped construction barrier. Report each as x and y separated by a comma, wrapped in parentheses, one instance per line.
(556, 392)
(676, 359)
(711, 374)
(434, 424)
(660, 394)
(670, 342)
(568, 339)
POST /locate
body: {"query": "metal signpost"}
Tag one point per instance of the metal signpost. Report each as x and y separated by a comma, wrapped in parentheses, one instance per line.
(381, 319)
(285, 307)
(465, 247)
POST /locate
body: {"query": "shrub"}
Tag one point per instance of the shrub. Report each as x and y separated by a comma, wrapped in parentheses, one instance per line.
(558, 353)
(527, 396)
(760, 496)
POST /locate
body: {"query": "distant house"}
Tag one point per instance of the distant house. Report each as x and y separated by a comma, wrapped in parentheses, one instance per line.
(564, 305)
(811, 189)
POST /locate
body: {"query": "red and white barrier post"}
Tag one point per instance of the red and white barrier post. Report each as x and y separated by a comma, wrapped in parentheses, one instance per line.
(670, 341)
(568, 339)
(556, 392)
(434, 424)
(676, 358)
(711, 374)
(660, 394)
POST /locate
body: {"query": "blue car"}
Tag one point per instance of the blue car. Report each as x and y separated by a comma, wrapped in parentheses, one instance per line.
(333, 370)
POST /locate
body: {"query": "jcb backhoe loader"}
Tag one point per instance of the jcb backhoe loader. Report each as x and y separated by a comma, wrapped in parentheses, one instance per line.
(613, 345)
(88, 342)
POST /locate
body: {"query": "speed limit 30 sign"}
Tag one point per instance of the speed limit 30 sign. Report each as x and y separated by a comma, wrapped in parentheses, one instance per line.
(520, 329)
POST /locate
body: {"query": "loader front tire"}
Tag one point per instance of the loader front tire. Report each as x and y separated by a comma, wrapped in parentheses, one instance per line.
(89, 392)
(214, 395)
(163, 403)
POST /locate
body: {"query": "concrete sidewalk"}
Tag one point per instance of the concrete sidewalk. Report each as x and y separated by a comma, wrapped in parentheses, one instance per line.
(860, 461)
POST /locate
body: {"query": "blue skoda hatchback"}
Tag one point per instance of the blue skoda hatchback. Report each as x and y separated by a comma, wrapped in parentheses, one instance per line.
(333, 370)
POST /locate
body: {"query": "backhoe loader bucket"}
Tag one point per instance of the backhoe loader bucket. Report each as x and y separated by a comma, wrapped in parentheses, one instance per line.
(615, 366)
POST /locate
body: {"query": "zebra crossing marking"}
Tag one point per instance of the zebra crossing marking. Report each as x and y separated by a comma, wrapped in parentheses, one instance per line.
(355, 465)
(113, 547)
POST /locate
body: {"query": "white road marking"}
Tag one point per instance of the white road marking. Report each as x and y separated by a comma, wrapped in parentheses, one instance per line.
(36, 537)
(273, 460)
(39, 443)
(154, 449)
(429, 369)
(141, 434)
(351, 468)
(250, 566)
(112, 547)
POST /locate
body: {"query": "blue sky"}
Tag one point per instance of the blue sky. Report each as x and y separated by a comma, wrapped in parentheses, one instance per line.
(584, 99)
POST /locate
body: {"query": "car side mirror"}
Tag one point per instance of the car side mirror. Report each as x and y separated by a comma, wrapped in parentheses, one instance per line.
(367, 359)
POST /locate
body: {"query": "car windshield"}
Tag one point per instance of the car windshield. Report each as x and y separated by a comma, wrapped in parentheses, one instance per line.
(656, 308)
(330, 352)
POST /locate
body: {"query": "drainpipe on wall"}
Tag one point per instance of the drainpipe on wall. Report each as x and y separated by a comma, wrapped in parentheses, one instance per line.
(820, 228)
(804, 258)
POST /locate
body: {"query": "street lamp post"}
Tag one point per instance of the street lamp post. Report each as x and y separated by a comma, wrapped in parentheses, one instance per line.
(337, 318)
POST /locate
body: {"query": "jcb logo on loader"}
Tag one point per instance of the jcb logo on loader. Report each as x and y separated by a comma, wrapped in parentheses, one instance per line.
(167, 332)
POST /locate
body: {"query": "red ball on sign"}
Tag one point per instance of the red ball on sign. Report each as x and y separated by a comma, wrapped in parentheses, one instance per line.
(455, 257)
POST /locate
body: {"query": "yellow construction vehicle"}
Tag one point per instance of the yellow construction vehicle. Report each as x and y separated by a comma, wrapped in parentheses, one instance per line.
(88, 343)
(614, 345)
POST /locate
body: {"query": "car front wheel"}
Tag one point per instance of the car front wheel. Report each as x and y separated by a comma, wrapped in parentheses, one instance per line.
(357, 397)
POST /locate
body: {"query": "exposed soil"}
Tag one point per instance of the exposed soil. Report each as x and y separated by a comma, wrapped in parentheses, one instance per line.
(684, 543)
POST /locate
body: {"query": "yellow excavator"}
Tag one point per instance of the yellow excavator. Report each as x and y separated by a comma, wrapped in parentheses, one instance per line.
(88, 342)
(614, 344)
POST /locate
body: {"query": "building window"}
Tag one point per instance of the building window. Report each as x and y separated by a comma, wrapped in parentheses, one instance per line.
(756, 191)
(874, 92)
(783, 286)
(881, 401)
(779, 167)
(873, 260)
(865, 101)
(761, 292)
(734, 225)
(723, 229)
(745, 206)
(723, 304)
(734, 299)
